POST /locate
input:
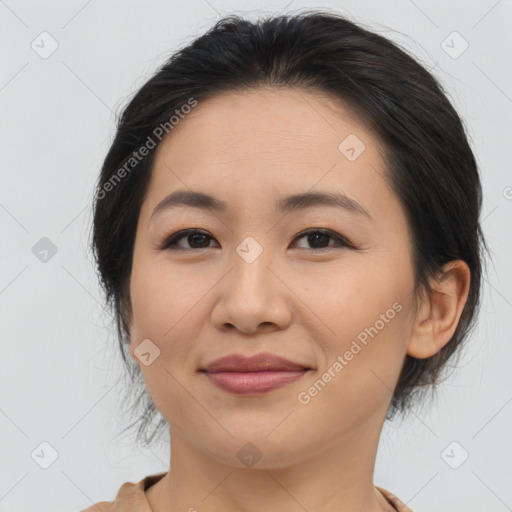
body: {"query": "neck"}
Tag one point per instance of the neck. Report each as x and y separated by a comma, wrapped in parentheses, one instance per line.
(337, 478)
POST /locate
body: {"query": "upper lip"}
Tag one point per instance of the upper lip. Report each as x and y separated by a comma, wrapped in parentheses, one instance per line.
(257, 363)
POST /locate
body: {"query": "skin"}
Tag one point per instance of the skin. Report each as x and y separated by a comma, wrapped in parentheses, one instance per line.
(297, 300)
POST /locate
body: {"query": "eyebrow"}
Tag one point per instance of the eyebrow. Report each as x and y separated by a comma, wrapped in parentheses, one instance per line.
(287, 204)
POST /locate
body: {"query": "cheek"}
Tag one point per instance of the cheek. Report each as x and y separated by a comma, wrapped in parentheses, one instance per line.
(163, 298)
(348, 298)
(362, 359)
(163, 312)
(364, 318)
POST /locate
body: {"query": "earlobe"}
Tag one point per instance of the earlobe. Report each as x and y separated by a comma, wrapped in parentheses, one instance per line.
(439, 313)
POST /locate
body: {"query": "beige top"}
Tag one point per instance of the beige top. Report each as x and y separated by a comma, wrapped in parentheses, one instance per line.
(131, 498)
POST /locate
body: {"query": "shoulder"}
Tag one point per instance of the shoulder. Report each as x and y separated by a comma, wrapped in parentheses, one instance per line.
(130, 496)
(396, 502)
(101, 506)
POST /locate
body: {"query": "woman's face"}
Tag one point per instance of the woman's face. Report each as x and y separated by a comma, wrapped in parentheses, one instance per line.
(254, 283)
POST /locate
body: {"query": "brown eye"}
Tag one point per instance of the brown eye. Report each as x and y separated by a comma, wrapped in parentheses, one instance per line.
(195, 238)
(319, 239)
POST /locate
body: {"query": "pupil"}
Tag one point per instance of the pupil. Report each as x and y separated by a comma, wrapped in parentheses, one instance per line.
(191, 237)
(313, 236)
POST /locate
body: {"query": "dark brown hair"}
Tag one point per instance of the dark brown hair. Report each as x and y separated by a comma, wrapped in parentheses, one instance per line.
(430, 164)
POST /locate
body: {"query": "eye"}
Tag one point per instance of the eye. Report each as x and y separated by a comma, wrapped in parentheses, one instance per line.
(195, 237)
(198, 239)
(319, 239)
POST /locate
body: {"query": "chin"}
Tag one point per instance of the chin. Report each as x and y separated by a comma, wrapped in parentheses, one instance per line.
(255, 452)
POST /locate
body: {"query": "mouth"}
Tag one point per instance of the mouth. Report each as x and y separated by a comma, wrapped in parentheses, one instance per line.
(254, 375)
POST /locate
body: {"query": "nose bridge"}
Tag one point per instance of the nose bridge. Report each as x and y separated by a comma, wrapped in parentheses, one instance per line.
(251, 260)
(251, 295)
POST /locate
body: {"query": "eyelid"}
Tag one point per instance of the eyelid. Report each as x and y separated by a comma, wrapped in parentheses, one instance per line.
(343, 241)
(170, 242)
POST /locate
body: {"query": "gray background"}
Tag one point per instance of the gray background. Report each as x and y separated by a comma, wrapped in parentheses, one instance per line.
(59, 372)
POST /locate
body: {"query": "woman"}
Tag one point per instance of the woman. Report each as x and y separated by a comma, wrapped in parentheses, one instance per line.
(287, 227)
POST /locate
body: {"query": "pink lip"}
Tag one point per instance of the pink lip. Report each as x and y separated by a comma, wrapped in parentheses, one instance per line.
(253, 383)
(253, 375)
(256, 363)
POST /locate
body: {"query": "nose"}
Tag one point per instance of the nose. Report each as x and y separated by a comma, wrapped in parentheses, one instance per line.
(252, 297)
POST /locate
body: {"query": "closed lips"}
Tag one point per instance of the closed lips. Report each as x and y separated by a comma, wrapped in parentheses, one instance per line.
(258, 363)
(252, 376)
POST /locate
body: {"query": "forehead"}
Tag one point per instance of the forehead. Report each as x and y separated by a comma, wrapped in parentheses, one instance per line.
(246, 147)
(289, 122)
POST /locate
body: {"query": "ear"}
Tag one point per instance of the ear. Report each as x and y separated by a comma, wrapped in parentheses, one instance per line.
(439, 313)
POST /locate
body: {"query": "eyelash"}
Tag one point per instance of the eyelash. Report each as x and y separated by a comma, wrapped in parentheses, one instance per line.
(170, 243)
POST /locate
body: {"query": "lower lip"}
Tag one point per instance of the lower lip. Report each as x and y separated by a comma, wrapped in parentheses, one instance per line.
(253, 383)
